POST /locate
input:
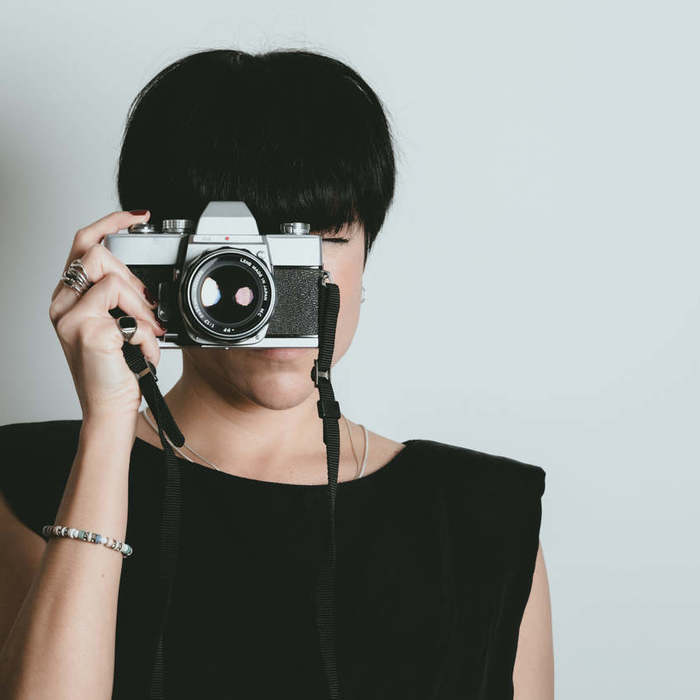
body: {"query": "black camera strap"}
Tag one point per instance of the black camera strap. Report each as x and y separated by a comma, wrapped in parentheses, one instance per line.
(171, 503)
(329, 412)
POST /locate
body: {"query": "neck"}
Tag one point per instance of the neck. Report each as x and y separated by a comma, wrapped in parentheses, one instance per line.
(245, 438)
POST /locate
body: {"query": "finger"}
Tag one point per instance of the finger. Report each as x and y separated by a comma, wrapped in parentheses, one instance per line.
(96, 231)
(86, 237)
(102, 334)
(98, 262)
(143, 337)
(112, 291)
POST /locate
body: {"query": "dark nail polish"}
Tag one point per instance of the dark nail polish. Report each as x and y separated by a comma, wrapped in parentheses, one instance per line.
(138, 212)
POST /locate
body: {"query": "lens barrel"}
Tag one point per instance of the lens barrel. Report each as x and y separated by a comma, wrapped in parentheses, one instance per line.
(227, 294)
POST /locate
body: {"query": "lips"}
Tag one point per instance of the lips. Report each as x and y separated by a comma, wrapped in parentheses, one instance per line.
(284, 353)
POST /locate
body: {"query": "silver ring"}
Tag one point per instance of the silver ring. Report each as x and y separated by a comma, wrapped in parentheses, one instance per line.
(127, 326)
(76, 277)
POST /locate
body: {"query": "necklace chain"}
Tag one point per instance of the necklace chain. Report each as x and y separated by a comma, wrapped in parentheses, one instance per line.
(358, 472)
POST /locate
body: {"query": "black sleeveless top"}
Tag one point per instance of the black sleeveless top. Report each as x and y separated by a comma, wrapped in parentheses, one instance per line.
(435, 556)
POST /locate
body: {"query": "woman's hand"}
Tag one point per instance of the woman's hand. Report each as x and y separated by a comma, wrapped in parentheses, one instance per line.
(89, 335)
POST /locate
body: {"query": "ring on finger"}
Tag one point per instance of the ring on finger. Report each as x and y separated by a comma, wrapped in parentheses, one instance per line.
(127, 326)
(75, 277)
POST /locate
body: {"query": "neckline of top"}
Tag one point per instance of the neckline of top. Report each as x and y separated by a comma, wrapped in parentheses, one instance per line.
(195, 467)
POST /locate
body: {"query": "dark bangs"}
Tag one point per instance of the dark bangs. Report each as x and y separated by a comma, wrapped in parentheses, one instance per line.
(296, 135)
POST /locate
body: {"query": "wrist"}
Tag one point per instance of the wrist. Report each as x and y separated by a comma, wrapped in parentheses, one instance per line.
(109, 430)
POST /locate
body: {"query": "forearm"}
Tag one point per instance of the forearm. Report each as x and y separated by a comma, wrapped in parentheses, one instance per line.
(62, 642)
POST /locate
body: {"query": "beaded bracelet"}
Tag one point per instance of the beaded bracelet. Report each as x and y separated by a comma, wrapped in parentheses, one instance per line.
(87, 536)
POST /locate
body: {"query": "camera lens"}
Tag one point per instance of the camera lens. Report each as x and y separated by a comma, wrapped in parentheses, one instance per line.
(228, 294)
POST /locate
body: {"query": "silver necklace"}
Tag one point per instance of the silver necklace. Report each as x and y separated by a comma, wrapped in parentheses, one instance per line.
(358, 473)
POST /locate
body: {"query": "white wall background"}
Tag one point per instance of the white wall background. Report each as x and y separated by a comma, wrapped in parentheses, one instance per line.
(549, 160)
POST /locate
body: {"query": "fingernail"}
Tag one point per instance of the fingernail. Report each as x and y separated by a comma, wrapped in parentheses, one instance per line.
(138, 212)
(161, 326)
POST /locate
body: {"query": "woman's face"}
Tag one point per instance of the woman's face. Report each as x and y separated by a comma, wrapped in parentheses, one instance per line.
(281, 378)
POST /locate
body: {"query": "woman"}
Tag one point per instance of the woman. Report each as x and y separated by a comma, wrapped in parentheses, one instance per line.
(441, 583)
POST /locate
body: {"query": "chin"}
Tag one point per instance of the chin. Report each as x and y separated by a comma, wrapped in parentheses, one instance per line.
(279, 391)
(277, 380)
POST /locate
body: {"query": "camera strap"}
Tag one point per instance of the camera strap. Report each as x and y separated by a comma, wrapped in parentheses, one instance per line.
(171, 500)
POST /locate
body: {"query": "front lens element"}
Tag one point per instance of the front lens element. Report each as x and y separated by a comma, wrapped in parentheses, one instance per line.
(229, 294)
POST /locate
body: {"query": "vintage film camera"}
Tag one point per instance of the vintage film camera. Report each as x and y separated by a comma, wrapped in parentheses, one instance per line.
(224, 284)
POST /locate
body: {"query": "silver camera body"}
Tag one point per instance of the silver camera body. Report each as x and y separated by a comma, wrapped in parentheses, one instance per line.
(223, 284)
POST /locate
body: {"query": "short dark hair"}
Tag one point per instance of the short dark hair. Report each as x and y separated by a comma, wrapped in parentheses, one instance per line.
(297, 135)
